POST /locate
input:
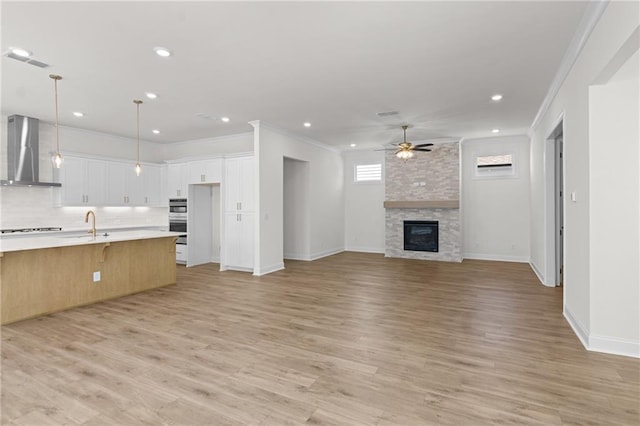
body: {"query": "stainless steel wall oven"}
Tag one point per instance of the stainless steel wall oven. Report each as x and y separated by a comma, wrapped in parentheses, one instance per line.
(178, 218)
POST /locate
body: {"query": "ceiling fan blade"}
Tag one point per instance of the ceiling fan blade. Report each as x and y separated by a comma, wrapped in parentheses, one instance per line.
(423, 145)
(388, 149)
(421, 149)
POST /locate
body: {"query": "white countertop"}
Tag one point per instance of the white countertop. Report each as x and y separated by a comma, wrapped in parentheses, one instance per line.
(51, 241)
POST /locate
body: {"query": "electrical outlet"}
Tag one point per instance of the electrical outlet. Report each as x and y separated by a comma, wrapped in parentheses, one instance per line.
(96, 276)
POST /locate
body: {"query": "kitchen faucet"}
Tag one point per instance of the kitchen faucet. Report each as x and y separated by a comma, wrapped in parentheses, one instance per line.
(91, 231)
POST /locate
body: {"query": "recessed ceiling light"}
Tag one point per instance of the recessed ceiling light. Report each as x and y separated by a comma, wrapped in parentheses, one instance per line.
(156, 131)
(161, 51)
(78, 114)
(20, 52)
(225, 119)
(496, 97)
(151, 95)
(353, 145)
(495, 131)
(307, 124)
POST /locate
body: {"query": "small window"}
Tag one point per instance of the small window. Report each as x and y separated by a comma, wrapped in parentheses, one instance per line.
(495, 166)
(368, 173)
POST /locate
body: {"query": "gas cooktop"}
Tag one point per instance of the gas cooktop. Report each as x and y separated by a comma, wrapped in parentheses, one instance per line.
(44, 229)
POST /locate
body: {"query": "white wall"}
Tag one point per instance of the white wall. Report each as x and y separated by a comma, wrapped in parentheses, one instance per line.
(296, 212)
(495, 216)
(614, 206)
(326, 218)
(619, 21)
(363, 204)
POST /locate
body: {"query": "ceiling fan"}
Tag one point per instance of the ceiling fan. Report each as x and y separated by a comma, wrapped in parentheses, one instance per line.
(405, 149)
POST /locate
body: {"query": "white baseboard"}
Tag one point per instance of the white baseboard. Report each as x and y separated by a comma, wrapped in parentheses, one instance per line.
(496, 257)
(325, 253)
(363, 249)
(604, 344)
(577, 327)
(614, 346)
(536, 270)
(297, 256)
(269, 269)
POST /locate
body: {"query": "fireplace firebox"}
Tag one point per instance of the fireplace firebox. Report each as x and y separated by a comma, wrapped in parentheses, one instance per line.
(421, 235)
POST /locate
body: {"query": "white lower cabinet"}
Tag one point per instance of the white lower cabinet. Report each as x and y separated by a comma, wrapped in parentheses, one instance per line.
(239, 241)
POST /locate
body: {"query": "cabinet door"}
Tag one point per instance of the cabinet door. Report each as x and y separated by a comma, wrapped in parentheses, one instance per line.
(246, 182)
(213, 170)
(205, 171)
(72, 177)
(239, 240)
(116, 184)
(135, 186)
(152, 185)
(196, 171)
(177, 180)
(96, 182)
(232, 239)
(246, 240)
(232, 184)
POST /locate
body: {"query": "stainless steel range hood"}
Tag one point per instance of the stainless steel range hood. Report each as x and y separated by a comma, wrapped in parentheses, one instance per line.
(23, 148)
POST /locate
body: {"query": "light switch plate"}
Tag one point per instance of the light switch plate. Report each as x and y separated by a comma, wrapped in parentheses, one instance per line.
(96, 276)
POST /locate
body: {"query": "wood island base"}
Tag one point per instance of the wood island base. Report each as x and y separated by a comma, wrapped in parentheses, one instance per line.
(43, 281)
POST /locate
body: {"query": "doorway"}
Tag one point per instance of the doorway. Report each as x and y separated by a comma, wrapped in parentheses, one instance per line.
(296, 211)
(559, 208)
(554, 210)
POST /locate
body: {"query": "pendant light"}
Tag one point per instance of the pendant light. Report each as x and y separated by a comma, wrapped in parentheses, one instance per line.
(57, 157)
(138, 166)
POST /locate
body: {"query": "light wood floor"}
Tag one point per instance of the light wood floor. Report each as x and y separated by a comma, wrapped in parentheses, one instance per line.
(349, 339)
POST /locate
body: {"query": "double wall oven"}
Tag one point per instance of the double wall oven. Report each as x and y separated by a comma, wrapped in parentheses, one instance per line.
(178, 218)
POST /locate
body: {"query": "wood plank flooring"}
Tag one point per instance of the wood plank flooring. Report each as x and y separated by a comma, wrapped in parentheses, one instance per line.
(349, 339)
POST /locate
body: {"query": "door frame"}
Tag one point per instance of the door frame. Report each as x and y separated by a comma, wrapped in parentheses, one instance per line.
(550, 171)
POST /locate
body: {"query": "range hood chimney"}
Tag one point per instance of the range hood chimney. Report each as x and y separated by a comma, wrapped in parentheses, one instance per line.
(23, 142)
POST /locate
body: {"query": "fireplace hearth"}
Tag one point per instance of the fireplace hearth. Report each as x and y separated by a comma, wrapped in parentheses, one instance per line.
(421, 235)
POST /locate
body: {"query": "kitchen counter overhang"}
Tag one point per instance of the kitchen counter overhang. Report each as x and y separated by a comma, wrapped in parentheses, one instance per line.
(42, 275)
(10, 243)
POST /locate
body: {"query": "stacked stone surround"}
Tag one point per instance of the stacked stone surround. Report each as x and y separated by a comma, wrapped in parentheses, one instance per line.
(440, 172)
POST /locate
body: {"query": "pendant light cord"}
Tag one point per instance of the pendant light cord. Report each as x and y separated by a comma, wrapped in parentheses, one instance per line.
(138, 130)
(55, 88)
(138, 167)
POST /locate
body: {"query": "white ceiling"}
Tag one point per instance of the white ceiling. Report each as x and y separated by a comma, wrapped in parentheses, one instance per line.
(334, 64)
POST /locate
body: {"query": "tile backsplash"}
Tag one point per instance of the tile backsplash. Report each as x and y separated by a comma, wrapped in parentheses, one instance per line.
(24, 207)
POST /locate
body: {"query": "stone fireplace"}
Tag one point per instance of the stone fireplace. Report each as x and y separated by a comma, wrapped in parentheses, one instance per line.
(426, 188)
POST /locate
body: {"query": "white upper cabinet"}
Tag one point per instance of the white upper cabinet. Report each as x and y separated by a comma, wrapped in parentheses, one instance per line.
(83, 182)
(96, 182)
(177, 180)
(239, 184)
(152, 184)
(205, 171)
(124, 188)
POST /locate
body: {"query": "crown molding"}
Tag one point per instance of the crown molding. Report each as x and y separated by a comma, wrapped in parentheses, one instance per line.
(585, 28)
(305, 139)
(214, 139)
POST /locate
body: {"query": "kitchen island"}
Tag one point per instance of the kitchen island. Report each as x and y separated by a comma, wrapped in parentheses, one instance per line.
(42, 275)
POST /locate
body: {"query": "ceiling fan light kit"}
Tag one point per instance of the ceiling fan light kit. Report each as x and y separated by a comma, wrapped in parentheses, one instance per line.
(405, 149)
